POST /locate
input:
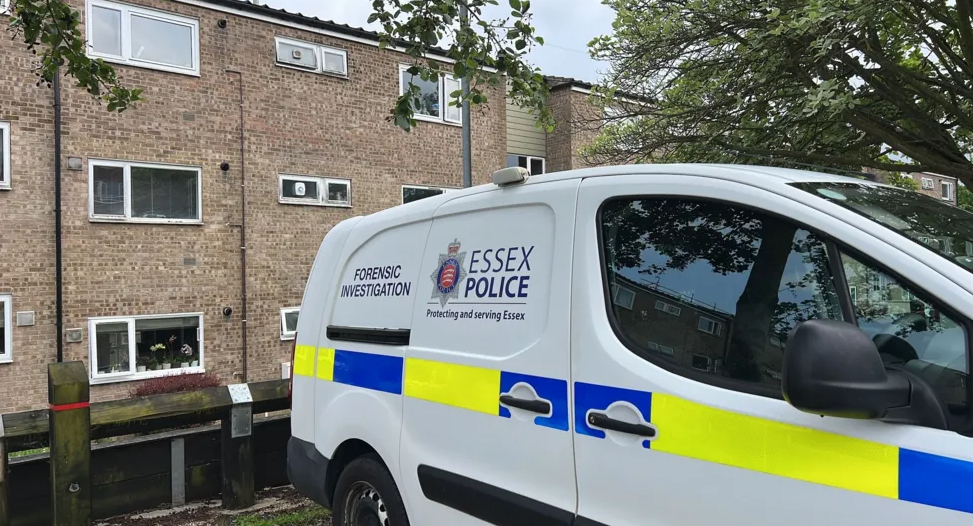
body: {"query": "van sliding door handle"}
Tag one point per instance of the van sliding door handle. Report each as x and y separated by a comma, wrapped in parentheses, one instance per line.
(605, 422)
(534, 406)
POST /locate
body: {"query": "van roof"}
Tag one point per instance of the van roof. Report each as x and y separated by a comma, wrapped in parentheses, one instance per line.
(754, 175)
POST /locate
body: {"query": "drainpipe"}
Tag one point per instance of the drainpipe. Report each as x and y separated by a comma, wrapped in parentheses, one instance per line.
(467, 154)
(243, 228)
(58, 271)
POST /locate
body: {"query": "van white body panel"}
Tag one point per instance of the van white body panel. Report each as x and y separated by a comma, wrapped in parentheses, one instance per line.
(467, 339)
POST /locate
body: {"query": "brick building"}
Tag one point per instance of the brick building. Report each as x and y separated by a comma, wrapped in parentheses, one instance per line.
(151, 223)
(578, 123)
(934, 185)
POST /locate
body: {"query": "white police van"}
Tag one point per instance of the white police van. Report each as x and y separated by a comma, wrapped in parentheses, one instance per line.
(641, 345)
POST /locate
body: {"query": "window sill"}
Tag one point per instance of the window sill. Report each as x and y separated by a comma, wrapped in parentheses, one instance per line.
(4, 187)
(288, 338)
(148, 375)
(190, 222)
(338, 76)
(434, 120)
(145, 65)
(306, 203)
(6, 359)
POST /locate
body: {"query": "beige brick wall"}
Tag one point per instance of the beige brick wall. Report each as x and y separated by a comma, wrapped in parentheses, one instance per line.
(295, 122)
(937, 185)
(578, 123)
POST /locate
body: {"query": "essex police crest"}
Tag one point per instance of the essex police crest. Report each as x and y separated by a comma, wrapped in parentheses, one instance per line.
(448, 274)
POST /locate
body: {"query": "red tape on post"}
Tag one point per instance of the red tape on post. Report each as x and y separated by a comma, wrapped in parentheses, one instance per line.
(68, 407)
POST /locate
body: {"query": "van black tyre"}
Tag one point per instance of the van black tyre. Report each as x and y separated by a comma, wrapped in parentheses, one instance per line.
(366, 495)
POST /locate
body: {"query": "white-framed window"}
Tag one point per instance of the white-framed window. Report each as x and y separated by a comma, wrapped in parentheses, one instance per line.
(709, 326)
(129, 348)
(668, 308)
(927, 183)
(6, 328)
(144, 192)
(853, 292)
(313, 190)
(143, 37)
(435, 99)
(947, 191)
(666, 350)
(4, 6)
(624, 297)
(411, 192)
(4, 153)
(534, 165)
(312, 57)
(288, 322)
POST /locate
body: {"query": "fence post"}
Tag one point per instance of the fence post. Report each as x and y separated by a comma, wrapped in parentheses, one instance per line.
(70, 439)
(237, 451)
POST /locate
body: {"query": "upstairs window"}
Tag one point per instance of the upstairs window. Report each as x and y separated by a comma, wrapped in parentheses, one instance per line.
(144, 193)
(143, 37)
(927, 183)
(4, 155)
(311, 57)
(434, 99)
(314, 191)
(947, 191)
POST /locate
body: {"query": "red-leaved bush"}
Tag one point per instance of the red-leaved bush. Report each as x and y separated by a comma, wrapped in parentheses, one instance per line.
(177, 383)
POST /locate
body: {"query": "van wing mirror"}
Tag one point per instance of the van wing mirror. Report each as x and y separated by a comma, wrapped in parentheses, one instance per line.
(833, 368)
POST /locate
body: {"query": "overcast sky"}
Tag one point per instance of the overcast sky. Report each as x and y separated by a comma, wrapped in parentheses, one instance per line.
(566, 26)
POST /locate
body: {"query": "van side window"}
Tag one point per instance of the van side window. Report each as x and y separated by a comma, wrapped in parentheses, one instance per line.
(913, 333)
(712, 290)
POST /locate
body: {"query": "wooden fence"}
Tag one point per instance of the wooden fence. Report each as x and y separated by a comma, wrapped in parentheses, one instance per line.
(230, 453)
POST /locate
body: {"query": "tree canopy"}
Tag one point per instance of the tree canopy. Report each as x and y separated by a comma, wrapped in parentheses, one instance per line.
(885, 84)
(485, 51)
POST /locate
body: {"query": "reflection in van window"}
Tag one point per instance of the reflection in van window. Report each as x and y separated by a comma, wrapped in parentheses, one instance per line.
(911, 333)
(718, 287)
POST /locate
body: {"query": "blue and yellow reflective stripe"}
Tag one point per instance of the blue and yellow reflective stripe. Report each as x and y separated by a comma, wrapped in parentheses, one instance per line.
(686, 428)
(702, 432)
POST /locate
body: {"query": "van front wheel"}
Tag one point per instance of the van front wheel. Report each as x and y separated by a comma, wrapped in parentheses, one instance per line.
(366, 495)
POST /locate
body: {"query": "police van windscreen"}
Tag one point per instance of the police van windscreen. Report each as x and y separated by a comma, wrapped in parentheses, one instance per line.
(934, 224)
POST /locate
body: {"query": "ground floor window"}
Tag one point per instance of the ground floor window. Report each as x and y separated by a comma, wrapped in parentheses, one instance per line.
(534, 165)
(6, 338)
(136, 347)
(412, 193)
(288, 322)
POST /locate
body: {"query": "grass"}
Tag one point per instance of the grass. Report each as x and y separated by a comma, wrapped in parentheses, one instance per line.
(314, 516)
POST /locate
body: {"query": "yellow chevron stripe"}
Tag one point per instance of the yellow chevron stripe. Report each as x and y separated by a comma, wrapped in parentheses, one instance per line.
(706, 433)
(463, 386)
(304, 360)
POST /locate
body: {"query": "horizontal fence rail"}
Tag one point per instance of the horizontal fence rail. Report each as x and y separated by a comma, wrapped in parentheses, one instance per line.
(77, 481)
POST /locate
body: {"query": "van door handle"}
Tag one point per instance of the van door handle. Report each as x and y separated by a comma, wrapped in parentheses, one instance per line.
(534, 406)
(606, 422)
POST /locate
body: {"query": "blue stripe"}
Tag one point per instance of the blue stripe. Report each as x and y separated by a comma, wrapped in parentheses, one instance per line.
(370, 371)
(935, 481)
(551, 389)
(593, 397)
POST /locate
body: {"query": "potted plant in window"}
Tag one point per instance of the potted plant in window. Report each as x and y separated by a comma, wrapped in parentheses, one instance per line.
(142, 363)
(152, 364)
(189, 356)
(162, 351)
